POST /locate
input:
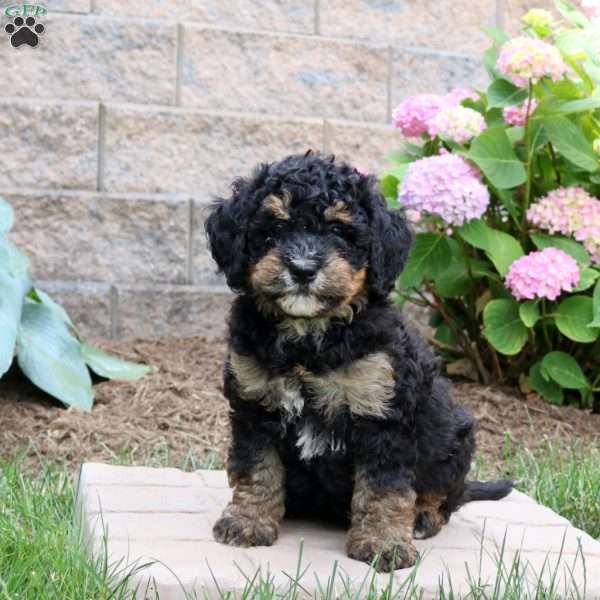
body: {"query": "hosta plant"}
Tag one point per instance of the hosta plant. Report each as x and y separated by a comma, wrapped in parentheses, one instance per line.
(502, 186)
(39, 333)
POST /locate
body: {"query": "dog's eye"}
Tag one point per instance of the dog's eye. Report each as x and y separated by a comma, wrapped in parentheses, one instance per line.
(336, 229)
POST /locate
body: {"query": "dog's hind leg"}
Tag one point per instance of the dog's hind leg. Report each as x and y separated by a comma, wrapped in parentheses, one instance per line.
(429, 518)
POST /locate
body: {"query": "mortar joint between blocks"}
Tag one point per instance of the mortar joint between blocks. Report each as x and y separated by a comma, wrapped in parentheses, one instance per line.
(500, 13)
(101, 146)
(115, 324)
(190, 242)
(389, 79)
(326, 135)
(179, 64)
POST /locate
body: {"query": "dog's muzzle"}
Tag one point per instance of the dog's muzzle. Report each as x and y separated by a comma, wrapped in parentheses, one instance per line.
(303, 259)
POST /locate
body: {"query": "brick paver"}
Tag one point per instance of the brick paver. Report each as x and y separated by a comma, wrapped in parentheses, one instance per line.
(165, 516)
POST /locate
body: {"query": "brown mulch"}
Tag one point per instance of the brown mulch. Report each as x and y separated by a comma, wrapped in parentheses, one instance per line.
(178, 415)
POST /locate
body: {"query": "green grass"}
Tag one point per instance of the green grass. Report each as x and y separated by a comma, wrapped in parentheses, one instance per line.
(568, 482)
(42, 554)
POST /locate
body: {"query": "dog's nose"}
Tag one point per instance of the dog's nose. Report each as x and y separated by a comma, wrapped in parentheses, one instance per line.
(303, 270)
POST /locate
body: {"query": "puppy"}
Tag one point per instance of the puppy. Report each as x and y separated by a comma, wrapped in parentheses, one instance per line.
(337, 411)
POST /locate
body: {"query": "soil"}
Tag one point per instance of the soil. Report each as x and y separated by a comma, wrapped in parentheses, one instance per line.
(178, 415)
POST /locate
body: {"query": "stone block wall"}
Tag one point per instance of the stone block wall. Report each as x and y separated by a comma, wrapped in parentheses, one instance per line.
(119, 128)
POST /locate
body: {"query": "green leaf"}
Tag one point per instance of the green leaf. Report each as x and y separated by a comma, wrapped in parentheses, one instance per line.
(529, 313)
(539, 136)
(6, 216)
(112, 367)
(399, 158)
(444, 334)
(507, 198)
(570, 142)
(14, 285)
(549, 390)
(453, 281)
(41, 297)
(564, 370)
(494, 117)
(51, 357)
(596, 306)
(481, 268)
(429, 255)
(490, 60)
(561, 107)
(502, 93)
(503, 327)
(12, 259)
(389, 188)
(565, 89)
(571, 247)
(587, 279)
(397, 172)
(515, 134)
(501, 248)
(414, 150)
(492, 152)
(572, 317)
(571, 13)
(496, 34)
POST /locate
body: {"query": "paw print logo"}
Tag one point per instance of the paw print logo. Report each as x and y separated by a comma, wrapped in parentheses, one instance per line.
(24, 31)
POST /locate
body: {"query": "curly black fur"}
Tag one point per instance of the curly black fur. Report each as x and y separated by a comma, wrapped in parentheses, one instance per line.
(423, 442)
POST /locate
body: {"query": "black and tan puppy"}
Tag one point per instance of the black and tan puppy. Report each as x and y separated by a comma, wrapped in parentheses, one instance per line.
(337, 411)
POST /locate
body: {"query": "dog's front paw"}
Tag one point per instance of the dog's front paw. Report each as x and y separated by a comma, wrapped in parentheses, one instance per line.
(241, 530)
(385, 557)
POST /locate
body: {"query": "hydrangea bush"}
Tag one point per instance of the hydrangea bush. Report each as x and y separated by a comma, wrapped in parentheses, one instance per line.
(502, 186)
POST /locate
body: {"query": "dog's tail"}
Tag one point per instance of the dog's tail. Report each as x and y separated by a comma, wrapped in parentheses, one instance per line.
(486, 490)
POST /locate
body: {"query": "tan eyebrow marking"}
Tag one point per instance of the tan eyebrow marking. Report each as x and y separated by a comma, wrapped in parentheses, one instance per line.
(277, 206)
(338, 212)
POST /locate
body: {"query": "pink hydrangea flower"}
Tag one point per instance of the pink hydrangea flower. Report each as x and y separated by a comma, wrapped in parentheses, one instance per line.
(517, 115)
(522, 59)
(445, 185)
(458, 94)
(413, 114)
(591, 8)
(589, 234)
(572, 212)
(543, 274)
(413, 216)
(457, 123)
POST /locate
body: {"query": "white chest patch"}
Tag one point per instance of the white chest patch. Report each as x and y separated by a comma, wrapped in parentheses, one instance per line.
(290, 398)
(312, 443)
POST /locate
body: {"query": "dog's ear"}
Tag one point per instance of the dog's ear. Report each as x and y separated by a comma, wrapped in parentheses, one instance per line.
(391, 239)
(226, 232)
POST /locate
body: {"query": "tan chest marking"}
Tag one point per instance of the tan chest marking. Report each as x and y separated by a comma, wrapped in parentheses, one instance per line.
(365, 386)
(255, 383)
